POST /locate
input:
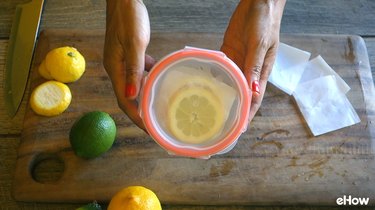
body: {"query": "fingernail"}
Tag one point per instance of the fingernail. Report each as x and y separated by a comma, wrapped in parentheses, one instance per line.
(130, 90)
(255, 86)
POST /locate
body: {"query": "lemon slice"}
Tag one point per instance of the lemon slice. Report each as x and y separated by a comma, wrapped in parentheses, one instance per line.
(195, 114)
(50, 98)
(195, 81)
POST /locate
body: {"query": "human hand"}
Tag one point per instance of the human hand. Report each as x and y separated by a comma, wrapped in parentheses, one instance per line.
(126, 39)
(251, 41)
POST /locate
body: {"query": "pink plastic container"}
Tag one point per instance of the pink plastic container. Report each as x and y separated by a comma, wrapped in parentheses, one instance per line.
(228, 75)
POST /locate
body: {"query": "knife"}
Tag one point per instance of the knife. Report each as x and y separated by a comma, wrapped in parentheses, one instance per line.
(23, 36)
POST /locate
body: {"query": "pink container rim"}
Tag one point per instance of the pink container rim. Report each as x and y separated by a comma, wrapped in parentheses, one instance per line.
(231, 68)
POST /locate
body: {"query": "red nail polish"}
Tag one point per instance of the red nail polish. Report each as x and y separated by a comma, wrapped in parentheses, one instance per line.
(130, 90)
(255, 86)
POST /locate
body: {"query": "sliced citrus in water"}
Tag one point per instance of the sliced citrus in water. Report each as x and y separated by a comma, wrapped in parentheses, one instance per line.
(93, 134)
(135, 198)
(50, 98)
(195, 114)
(65, 64)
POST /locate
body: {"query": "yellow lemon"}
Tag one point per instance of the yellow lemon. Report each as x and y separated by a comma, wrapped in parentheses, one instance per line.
(195, 114)
(50, 98)
(44, 72)
(134, 198)
(65, 64)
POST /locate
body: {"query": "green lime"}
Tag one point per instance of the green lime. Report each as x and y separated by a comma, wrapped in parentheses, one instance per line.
(91, 206)
(93, 134)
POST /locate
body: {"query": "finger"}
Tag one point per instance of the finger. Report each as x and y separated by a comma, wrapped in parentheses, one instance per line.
(252, 69)
(114, 65)
(135, 65)
(266, 69)
(130, 107)
(253, 65)
(149, 62)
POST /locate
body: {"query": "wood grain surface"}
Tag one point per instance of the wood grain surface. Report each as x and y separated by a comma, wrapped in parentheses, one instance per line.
(300, 17)
(319, 16)
(276, 161)
(8, 150)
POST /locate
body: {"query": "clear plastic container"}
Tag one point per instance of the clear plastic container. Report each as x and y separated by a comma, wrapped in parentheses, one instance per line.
(193, 73)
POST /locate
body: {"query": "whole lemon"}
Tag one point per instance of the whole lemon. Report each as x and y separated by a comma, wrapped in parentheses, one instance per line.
(44, 72)
(93, 134)
(65, 64)
(135, 198)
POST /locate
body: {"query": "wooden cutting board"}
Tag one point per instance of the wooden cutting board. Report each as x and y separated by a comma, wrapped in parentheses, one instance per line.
(277, 161)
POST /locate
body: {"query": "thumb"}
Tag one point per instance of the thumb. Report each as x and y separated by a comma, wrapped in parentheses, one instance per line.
(253, 66)
(149, 62)
(259, 65)
(134, 67)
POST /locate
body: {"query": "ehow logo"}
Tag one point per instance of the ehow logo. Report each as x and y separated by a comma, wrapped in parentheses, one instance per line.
(349, 200)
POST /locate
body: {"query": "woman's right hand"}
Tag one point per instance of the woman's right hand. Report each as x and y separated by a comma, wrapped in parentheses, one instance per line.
(251, 41)
(126, 39)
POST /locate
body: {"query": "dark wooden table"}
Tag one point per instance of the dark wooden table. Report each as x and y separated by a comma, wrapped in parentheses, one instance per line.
(300, 17)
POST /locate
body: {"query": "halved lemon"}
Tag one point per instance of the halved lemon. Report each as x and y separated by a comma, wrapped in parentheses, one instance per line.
(195, 114)
(50, 98)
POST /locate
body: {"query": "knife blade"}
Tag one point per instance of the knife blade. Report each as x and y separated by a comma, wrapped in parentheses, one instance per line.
(21, 47)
